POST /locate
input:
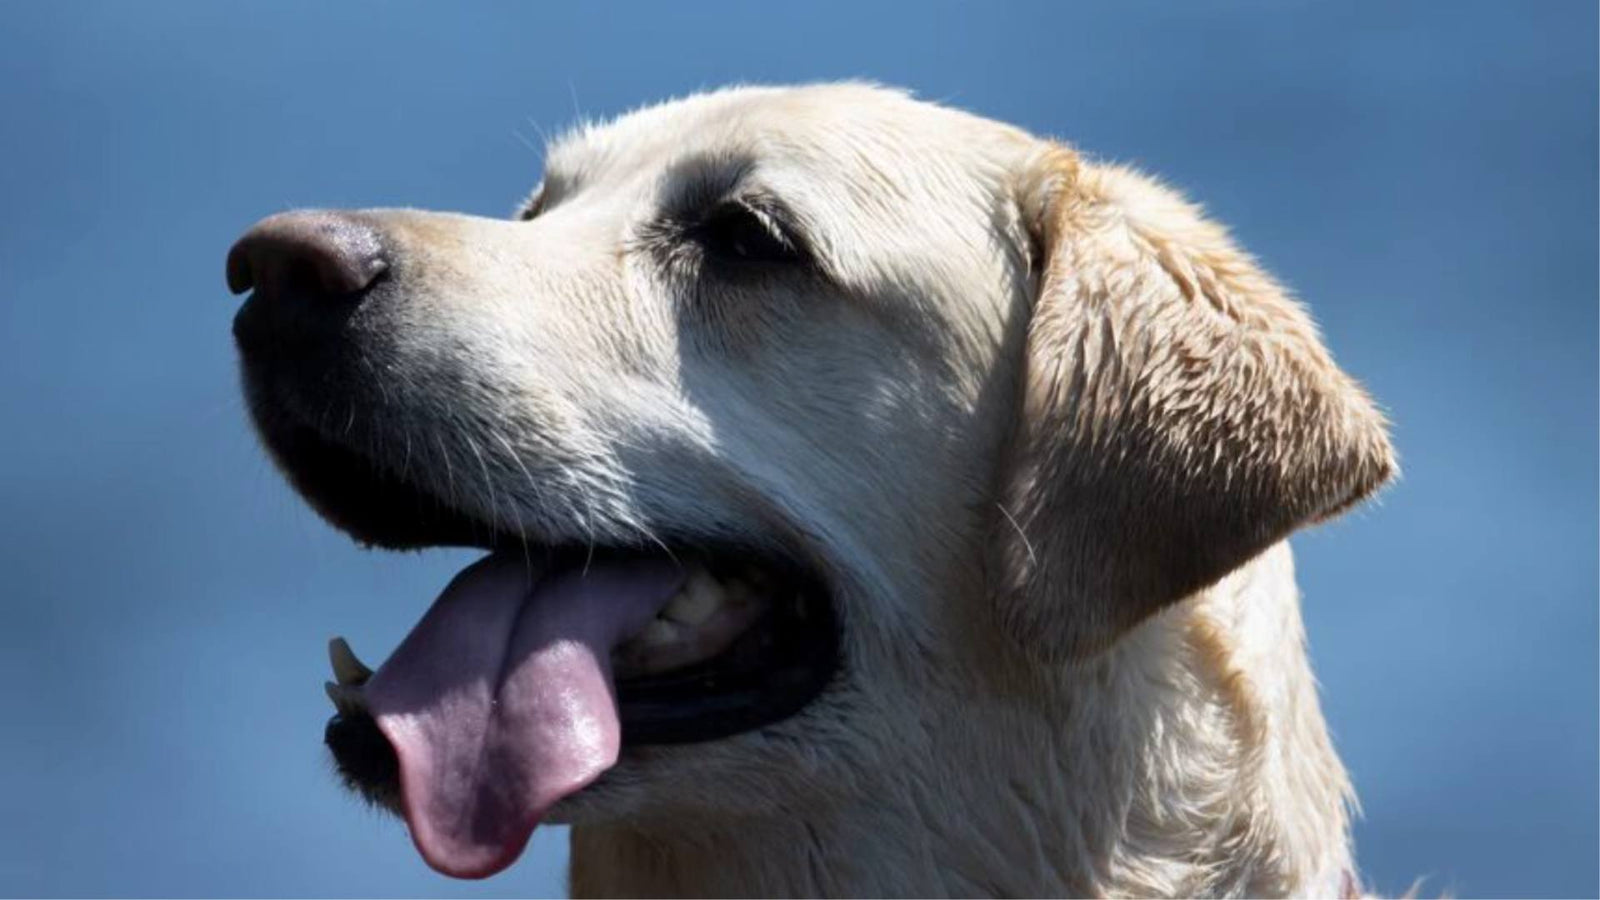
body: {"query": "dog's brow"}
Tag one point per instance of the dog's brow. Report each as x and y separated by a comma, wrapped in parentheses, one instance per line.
(698, 184)
(701, 181)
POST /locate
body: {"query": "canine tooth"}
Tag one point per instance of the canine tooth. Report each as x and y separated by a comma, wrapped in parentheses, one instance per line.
(346, 698)
(346, 667)
(700, 597)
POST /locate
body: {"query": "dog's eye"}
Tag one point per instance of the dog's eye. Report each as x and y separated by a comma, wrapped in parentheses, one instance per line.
(741, 233)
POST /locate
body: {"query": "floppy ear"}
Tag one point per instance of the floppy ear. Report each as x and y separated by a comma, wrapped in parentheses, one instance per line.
(1178, 414)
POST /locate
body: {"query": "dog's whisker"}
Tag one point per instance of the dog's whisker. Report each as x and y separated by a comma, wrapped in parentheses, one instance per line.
(488, 485)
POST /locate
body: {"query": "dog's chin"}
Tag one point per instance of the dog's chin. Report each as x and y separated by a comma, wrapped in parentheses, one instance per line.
(774, 668)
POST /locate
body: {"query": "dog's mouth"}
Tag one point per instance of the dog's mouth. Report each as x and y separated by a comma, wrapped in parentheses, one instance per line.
(540, 663)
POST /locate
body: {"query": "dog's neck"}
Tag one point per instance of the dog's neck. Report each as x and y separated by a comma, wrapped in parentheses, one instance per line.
(1206, 772)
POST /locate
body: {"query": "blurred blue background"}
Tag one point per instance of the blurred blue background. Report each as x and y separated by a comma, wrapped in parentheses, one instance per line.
(1424, 175)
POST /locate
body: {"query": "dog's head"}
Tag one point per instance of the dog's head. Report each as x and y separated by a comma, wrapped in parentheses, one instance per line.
(782, 411)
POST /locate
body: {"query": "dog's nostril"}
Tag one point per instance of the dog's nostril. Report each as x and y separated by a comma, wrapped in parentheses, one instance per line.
(319, 254)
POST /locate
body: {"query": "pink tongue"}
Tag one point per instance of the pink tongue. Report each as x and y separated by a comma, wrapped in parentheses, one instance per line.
(499, 703)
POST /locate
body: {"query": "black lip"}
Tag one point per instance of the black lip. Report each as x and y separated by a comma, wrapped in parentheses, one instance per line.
(369, 503)
(365, 758)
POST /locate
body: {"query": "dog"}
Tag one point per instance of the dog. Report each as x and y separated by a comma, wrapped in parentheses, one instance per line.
(880, 500)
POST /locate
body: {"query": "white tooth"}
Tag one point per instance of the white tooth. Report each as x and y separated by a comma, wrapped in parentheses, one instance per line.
(700, 597)
(659, 632)
(346, 667)
(643, 650)
(346, 698)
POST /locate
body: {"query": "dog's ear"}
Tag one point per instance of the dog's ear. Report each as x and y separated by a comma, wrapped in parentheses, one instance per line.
(1178, 414)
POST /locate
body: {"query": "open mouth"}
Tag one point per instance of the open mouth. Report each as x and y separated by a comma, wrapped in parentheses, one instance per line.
(539, 664)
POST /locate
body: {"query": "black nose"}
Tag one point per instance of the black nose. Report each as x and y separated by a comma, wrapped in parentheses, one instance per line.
(314, 254)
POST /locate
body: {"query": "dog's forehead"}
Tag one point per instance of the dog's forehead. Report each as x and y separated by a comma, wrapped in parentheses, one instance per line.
(860, 133)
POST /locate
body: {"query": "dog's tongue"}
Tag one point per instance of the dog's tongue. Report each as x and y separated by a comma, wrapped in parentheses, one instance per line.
(500, 702)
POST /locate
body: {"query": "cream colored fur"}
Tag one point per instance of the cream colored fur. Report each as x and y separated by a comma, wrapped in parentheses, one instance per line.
(1042, 426)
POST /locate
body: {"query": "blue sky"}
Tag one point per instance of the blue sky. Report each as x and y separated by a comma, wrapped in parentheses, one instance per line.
(1423, 175)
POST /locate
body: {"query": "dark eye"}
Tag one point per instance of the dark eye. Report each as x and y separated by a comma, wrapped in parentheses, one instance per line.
(739, 233)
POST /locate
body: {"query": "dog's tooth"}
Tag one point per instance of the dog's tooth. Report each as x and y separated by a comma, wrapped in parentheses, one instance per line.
(346, 667)
(682, 596)
(701, 596)
(347, 698)
(660, 632)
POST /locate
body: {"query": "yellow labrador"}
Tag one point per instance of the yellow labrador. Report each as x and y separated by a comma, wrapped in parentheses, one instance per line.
(881, 500)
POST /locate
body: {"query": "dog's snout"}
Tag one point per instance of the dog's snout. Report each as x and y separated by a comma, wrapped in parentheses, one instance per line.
(314, 254)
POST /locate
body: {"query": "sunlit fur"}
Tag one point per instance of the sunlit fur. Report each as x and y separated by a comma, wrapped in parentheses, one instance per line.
(1042, 427)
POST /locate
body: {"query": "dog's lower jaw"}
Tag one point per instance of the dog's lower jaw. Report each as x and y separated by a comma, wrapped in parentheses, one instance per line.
(1013, 805)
